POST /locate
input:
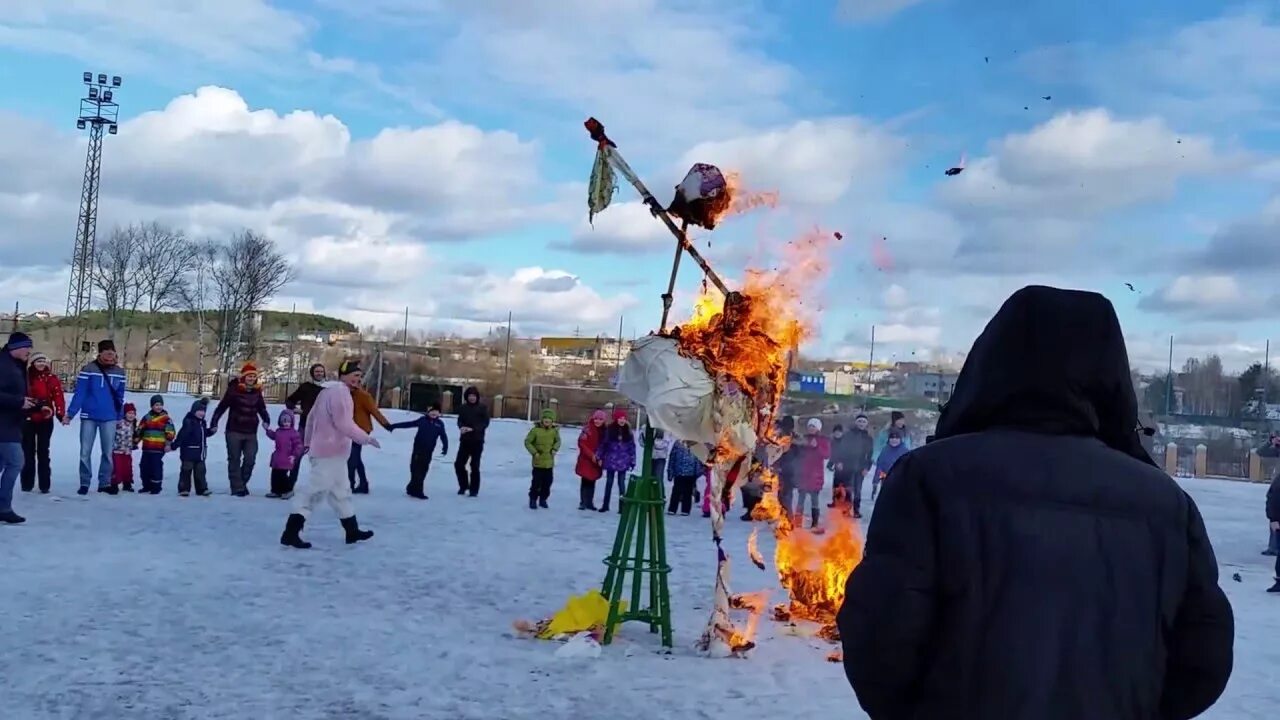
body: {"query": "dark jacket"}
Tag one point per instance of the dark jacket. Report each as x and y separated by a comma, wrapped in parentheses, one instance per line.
(1032, 563)
(192, 440)
(304, 398)
(1273, 492)
(853, 451)
(13, 392)
(429, 431)
(245, 405)
(473, 415)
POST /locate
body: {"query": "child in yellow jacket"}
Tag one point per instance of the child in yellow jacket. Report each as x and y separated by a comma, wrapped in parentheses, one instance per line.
(542, 442)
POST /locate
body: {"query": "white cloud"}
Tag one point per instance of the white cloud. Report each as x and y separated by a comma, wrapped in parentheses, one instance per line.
(1206, 297)
(810, 163)
(861, 11)
(138, 32)
(657, 75)
(355, 214)
(624, 228)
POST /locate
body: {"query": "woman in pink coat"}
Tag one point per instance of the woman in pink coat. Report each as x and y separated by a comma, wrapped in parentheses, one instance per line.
(330, 431)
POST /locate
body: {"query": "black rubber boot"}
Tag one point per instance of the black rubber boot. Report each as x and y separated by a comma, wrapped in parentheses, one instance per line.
(414, 490)
(291, 536)
(533, 503)
(813, 516)
(1275, 588)
(354, 533)
(12, 518)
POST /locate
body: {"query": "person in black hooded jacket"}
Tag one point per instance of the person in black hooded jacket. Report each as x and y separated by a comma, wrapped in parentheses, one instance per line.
(1032, 563)
(473, 420)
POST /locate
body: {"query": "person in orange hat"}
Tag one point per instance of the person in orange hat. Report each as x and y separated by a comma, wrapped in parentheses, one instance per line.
(244, 405)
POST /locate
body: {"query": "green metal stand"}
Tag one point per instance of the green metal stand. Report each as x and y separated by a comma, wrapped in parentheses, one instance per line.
(639, 552)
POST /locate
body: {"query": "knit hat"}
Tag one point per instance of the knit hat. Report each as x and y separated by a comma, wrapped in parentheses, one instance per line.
(19, 340)
(814, 424)
(37, 356)
(860, 416)
(548, 414)
(157, 400)
(619, 414)
(896, 415)
(895, 434)
(248, 369)
(200, 404)
(349, 366)
(599, 415)
(286, 413)
(105, 345)
(433, 406)
(129, 408)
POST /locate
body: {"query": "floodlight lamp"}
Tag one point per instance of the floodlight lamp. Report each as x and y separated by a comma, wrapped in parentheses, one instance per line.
(113, 129)
(106, 95)
(88, 77)
(93, 92)
(115, 81)
(102, 78)
(80, 124)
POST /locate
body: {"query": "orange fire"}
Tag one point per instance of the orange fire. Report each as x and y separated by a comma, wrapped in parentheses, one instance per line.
(748, 339)
(742, 200)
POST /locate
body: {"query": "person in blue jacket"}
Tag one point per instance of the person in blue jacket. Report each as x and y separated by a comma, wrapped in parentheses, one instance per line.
(430, 429)
(99, 395)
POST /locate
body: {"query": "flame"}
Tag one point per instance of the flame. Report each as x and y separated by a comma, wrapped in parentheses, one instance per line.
(814, 568)
(748, 339)
(742, 200)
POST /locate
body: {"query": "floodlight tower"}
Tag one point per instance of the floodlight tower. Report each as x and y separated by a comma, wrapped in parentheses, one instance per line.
(99, 112)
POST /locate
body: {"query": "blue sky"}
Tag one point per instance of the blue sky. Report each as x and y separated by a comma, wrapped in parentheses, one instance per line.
(430, 153)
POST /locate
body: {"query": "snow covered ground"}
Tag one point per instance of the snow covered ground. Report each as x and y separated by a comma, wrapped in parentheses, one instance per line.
(182, 608)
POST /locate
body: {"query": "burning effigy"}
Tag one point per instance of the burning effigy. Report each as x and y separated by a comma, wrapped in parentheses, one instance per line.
(717, 380)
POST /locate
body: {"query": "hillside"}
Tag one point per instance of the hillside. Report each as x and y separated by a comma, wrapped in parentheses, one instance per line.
(272, 322)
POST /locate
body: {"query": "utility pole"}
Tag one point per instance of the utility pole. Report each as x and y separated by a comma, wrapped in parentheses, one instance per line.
(200, 327)
(1266, 380)
(617, 350)
(871, 364)
(506, 364)
(15, 316)
(99, 113)
(1168, 383)
(293, 333)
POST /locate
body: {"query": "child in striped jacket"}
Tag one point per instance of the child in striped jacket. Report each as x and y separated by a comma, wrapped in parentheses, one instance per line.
(155, 433)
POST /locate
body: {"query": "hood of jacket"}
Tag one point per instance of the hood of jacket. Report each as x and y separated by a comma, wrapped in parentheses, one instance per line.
(1051, 361)
(471, 390)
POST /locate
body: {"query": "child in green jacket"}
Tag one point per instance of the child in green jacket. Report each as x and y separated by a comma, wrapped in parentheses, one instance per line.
(542, 442)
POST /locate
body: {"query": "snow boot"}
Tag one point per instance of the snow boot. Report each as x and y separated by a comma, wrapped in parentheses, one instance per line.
(603, 508)
(361, 488)
(354, 533)
(127, 487)
(415, 491)
(273, 496)
(184, 494)
(462, 491)
(1269, 552)
(542, 503)
(813, 516)
(1275, 588)
(82, 491)
(206, 493)
(746, 516)
(11, 518)
(533, 503)
(108, 489)
(291, 536)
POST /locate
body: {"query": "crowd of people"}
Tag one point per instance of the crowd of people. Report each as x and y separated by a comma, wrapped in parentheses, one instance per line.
(33, 400)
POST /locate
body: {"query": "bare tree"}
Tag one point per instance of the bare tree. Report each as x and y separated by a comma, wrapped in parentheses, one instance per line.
(114, 275)
(164, 263)
(243, 274)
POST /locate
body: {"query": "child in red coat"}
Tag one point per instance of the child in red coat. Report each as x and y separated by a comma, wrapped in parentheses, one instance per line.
(588, 467)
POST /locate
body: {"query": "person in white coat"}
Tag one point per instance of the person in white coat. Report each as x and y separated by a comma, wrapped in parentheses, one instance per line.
(330, 431)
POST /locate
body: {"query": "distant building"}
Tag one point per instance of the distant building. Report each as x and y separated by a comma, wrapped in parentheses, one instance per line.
(937, 386)
(557, 351)
(809, 382)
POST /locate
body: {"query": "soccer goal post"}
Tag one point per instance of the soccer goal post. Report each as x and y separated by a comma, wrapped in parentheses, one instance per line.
(574, 403)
